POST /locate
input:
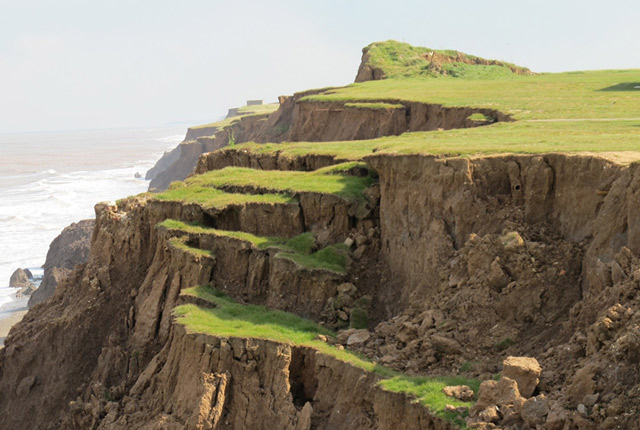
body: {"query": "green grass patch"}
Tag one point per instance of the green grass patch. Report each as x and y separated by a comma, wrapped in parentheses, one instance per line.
(324, 181)
(332, 258)
(543, 96)
(207, 196)
(500, 138)
(428, 391)
(380, 106)
(401, 60)
(242, 112)
(298, 249)
(231, 319)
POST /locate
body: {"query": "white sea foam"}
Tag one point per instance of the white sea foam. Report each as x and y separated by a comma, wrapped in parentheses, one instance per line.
(48, 181)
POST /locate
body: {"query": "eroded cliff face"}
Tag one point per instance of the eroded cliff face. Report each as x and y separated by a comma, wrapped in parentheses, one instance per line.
(465, 260)
(299, 120)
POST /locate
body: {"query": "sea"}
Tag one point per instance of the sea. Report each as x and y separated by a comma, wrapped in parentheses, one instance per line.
(50, 179)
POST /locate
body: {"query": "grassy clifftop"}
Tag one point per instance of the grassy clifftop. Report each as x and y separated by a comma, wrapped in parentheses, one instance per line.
(394, 59)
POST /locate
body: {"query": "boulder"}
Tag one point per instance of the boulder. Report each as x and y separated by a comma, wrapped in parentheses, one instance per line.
(358, 337)
(525, 371)
(535, 410)
(19, 279)
(557, 417)
(503, 393)
(460, 392)
(582, 384)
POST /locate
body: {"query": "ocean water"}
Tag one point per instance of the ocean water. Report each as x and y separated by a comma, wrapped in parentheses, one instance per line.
(49, 180)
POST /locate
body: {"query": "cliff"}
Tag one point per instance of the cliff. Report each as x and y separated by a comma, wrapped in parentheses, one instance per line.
(69, 248)
(343, 280)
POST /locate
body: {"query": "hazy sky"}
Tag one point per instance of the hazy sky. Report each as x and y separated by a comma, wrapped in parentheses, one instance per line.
(68, 64)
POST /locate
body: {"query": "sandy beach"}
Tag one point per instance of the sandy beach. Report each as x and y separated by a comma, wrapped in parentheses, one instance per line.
(10, 317)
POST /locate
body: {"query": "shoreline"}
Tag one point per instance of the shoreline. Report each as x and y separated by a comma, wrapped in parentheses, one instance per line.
(10, 314)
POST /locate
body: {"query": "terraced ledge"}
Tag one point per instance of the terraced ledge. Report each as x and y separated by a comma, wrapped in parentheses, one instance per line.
(180, 243)
(299, 249)
(226, 318)
(213, 198)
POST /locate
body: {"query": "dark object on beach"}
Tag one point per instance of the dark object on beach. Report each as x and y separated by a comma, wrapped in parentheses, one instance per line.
(19, 279)
(137, 175)
(71, 247)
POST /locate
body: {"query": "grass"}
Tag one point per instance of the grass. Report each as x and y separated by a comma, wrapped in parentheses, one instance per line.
(326, 181)
(209, 197)
(298, 249)
(231, 319)
(380, 106)
(242, 112)
(428, 391)
(401, 60)
(332, 258)
(543, 96)
(500, 138)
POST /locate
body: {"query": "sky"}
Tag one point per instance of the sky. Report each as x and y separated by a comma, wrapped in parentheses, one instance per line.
(78, 64)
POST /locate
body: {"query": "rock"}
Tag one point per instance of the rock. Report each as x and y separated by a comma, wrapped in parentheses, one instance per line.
(458, 410)
(525, 371)
(582, 385)
(137, 175)
(497, 278)
(582, 409)
(26, 291)
(590, 399)
(535, 410)
(19, 279)
(342, 315)
(502, 393)
(343, 336)
(348, 242)
(557, 417)
(445, 345)
(25, 386)
(28, 273)
(512, 241)
(359, 252)
(347, 289)
(489, 415)
(358, 337)
(304, 418)
(460, 392)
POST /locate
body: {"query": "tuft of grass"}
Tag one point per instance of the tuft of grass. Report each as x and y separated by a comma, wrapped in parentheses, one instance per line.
(504, 344)
(231, 319)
